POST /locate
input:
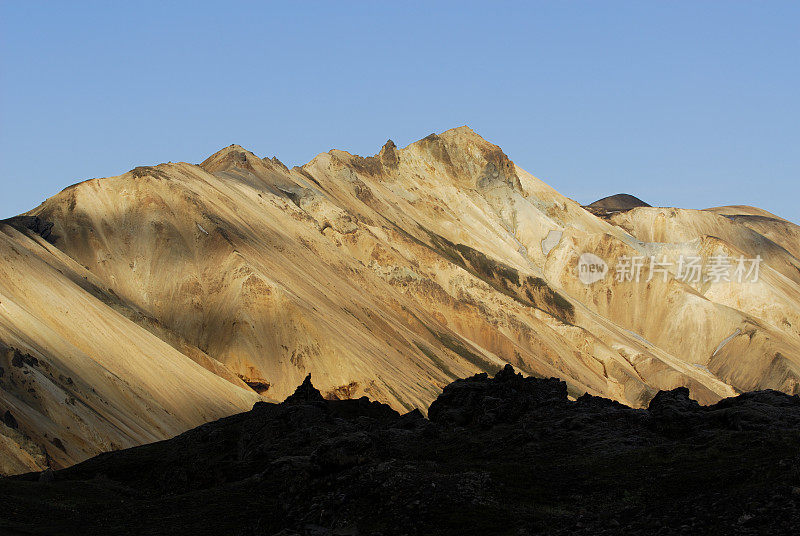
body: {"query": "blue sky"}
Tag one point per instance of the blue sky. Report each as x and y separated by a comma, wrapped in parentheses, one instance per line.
(689, 104)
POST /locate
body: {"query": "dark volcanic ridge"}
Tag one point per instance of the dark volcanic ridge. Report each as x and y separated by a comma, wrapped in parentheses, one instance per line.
(619, 202)
(504, 455)
(615, 203)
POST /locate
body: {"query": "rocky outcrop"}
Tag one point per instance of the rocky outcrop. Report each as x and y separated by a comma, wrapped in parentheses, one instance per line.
(305, 392)
(33, 223)
(505, 398)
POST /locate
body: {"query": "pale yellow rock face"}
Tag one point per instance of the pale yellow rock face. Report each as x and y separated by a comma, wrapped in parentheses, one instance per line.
(164, 294)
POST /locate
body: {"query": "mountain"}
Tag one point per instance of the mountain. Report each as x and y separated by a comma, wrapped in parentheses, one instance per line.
(135, 307)
(507, 455)
(618, 202)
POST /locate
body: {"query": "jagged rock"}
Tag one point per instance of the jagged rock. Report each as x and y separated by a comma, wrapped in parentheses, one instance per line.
(388, 155)
(306, 392)
(19, 359)
(33, 223)
(484, 401)
(676, 400)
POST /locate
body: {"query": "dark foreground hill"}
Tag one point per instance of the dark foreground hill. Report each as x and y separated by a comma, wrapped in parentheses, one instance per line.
(499, 456)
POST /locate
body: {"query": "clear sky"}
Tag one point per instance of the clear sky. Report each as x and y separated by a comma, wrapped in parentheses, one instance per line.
(689, 104)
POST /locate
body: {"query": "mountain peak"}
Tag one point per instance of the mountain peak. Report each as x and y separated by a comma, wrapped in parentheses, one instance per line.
(463, 130)
(468, 157)
(388, 154)
(618, 202)
(231, 156)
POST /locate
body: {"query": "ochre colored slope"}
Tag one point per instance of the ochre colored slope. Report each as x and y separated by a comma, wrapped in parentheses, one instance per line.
(184, 289)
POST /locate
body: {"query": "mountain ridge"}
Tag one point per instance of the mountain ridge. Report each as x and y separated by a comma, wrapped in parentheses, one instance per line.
(386, 276)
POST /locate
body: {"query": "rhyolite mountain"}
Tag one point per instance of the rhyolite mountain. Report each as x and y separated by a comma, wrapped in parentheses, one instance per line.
(135, 307)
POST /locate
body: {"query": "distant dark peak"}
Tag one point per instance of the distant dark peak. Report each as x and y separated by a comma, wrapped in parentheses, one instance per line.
(618, 202)
(306, 392)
